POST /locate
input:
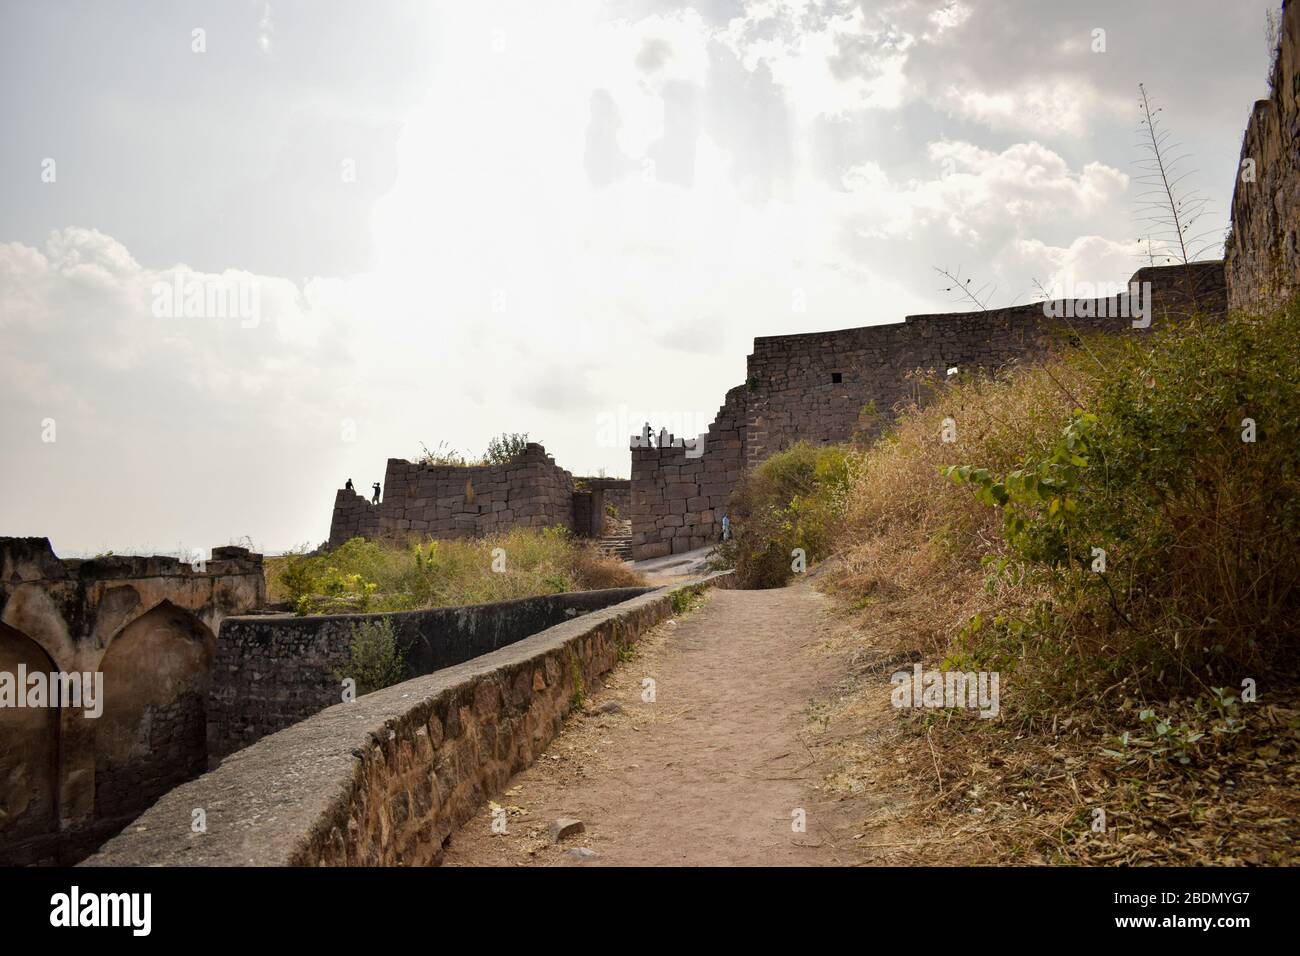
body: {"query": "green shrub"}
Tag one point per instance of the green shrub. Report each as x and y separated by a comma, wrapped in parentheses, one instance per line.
(792, 500)
(1164, 546)
(505, 447)
(375, 659)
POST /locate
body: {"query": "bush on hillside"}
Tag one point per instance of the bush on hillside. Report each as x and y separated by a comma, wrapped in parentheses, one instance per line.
(792, 500)
(1132, 447)
(1164, 521)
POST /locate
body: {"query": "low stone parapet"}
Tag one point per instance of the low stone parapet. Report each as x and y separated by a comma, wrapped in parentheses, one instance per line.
(272, 671)
(385, 780)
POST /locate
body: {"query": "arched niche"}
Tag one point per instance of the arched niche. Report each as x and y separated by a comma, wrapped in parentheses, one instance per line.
(29, 746)
(152, 734)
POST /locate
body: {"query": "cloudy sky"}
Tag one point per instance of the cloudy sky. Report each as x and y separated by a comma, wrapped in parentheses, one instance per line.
(446, 221)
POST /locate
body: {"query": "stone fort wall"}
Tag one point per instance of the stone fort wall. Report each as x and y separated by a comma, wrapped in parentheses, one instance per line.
(815, 386)
(447, 501)
(678, 498)
(1262, 255)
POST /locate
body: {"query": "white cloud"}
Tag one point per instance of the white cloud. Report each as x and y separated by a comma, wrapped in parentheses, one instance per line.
(949, 17)
(84, 300)
(1095, 260)
(1048, 106)
(978, 191)
(828, 61)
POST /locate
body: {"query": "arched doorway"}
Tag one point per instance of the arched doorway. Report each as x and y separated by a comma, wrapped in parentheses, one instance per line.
(29, 747)
(153, 731)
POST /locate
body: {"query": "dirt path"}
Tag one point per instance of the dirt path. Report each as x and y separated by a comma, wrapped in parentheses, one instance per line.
(712, 772)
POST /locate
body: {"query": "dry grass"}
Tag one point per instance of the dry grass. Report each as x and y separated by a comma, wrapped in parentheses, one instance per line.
(946, 788)
(377, 576)
(912, 541)
(1025, 787)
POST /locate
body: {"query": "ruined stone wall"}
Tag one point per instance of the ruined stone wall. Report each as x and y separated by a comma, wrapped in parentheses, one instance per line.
(678, 499)
(823, 387)
(616, 491)
(147, 625)
(354, 517)
(1262, 255)
(386, 780)
(795, 395)
(445, 501)
(620, 496)
(272, 671)
(153, 732)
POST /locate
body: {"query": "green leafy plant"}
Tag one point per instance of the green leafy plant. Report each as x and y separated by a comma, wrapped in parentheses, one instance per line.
(375, 660)
(1160, 526)
(505, 447)
(579, 689)
(792, 500)
(1207, 718)
(1040, 499)
(686, 599)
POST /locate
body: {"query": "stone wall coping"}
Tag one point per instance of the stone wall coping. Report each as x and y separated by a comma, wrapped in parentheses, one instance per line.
(264, 803)
(318, 619)
(987, 315)
(32, 561)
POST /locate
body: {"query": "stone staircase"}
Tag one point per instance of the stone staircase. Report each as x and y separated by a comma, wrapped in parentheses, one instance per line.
(617, 543)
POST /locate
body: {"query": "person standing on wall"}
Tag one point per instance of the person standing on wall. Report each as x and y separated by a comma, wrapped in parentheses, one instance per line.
(375, 499)
(348, 486)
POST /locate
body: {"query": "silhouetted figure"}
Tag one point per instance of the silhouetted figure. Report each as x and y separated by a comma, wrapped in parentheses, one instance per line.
(375, 499)
(348, 486)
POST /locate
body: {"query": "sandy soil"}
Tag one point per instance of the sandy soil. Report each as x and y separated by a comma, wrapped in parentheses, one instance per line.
(714, 771)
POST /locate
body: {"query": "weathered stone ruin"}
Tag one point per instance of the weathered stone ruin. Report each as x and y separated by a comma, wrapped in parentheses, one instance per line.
(1262, 254)
(148, 625)
(825, 387)
(450, 501)
(272, 671)
(188, 675)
